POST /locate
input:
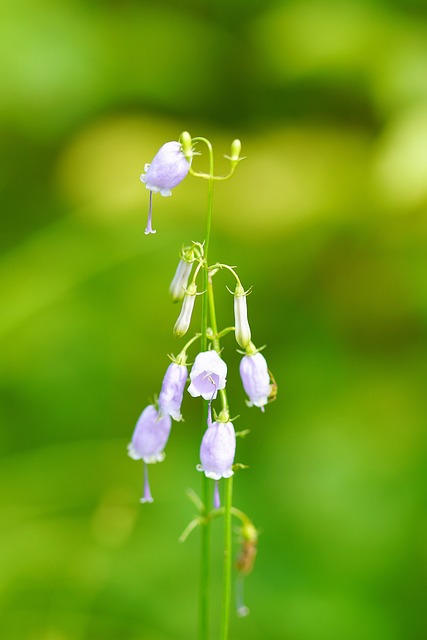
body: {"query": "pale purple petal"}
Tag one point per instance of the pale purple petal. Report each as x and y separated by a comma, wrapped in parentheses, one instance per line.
(170, 397)
(217, 450)
(168, 168)
(208, 375)
(150, 436)
(255, 379)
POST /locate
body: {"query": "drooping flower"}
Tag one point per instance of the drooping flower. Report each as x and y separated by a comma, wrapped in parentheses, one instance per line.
(242, 328)
(184, 318)
(170, 397)
(168, 168)
(148, 442)
(208, 375)
(255, 379)
(217, 450)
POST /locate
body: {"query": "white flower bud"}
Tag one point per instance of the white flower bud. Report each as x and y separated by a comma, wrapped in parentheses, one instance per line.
(180, 280)
(236, 147)
(183, 322)
(186, 145)
(242, 328)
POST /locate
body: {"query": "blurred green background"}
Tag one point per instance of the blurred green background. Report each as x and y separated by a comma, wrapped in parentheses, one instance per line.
(326, 219)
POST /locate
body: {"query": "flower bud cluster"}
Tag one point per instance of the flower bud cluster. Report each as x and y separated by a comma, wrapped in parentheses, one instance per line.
(207, 378)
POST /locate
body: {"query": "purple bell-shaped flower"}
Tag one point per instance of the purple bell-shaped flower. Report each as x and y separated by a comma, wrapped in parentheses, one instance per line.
(170, 397)
(208, 375)
(148, 442)
(217, 450)
(256, 379)
(168, 168)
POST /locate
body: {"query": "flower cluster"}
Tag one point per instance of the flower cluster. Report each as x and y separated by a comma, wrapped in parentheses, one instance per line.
(209, 371)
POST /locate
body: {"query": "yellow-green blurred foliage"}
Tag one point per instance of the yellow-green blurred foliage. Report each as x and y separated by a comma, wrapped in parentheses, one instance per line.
(326, 219)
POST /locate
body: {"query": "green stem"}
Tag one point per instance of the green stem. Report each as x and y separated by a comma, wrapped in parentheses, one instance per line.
(226, 589)
(208, 310)
(206, 529)
(205, 549)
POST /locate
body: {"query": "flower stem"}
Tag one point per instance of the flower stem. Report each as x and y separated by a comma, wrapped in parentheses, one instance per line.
(206, 529)
(208, 313)
(226, 589)
(226, 586)
(205, 549)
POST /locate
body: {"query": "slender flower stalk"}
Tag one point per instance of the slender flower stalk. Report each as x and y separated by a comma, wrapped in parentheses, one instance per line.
(226, 586)
(205, 547)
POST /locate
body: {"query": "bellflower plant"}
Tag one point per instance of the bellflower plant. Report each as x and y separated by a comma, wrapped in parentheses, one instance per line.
(194, 279)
